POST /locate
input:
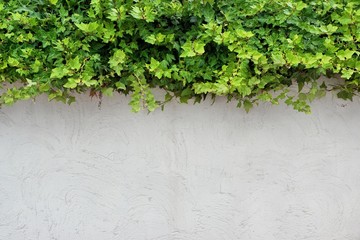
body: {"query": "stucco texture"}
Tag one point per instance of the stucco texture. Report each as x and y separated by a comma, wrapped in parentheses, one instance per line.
(191, 172)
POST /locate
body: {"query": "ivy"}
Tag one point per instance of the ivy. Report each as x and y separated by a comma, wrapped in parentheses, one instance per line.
(250, 51)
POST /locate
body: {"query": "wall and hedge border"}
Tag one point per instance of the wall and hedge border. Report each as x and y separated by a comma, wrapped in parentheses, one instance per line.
(247, 50)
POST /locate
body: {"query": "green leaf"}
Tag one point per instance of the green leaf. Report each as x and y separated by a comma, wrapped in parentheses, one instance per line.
(151, 39)
(71, 83)
(74, 63)
(292, 59)
(243, 34)
(108, 91)
(59, 72)
(118, 57)
(13, 62)
(188, 50)
(346, 95)
(88, 28)
(136, 12)
(117, 60)
(278, 58)
(186, 92)
(199, 47)
(331, 28)
(247, 105)
(36, 66)
(154, 64)
(44, 87)
(53, 2)
(120, 85)
(70, 100)
(347, 73)
(345, 20)
(300, 6)
(160, 37)
(8, 100)
(345, 54)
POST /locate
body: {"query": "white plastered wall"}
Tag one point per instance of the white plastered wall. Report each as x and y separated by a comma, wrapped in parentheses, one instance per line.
(191, 172)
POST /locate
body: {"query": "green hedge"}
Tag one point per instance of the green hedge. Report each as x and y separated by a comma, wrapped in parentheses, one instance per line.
(247, 50)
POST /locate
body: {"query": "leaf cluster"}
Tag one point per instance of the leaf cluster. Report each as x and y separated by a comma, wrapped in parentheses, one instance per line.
(246, 50)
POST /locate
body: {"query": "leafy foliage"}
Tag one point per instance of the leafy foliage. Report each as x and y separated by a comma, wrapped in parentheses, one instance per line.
(247, 50)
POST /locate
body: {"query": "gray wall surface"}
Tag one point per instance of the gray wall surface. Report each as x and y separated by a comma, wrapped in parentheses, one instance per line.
(192, 172)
